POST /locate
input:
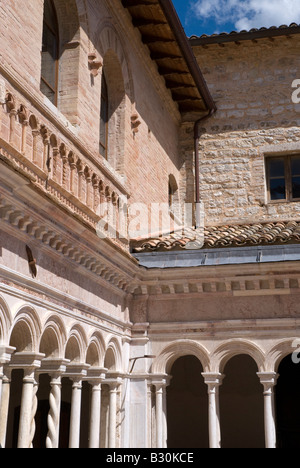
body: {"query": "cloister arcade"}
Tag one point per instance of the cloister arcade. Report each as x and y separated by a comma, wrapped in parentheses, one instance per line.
(62, 384)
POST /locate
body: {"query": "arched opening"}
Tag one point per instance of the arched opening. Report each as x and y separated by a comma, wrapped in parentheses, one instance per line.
(112, 112)
(173, 196)
(103, 143)
(242, 405)
(187, 405)
(60, 56)
(50, 53)
(288, 404)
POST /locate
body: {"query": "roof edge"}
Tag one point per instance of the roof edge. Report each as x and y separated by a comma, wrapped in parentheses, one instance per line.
(185, 46)
(251, 35)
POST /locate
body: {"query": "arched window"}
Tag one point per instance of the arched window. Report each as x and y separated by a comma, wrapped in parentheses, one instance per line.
(50, 53)
(173, 194)
(103, 144)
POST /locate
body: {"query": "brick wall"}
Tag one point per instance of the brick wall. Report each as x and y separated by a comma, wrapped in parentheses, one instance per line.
(251, 84)
(141, 162)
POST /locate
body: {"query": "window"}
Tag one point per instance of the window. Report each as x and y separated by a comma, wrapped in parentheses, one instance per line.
(173, 195)
(50, 53)
(103, 144)
(283, 178)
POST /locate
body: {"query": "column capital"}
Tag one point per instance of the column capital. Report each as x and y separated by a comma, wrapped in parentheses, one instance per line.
(212, 379)
(113, 382)
(5, 354)
(161, 381)
(96, 375)
(53, 367)
(29, 362)
(76, 371)
(268, 380)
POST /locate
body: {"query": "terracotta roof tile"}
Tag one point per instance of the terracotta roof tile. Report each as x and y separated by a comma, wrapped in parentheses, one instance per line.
(224, 236)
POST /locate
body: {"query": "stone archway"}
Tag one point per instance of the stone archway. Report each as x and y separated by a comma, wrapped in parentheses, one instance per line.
(242, 405)
(287, 404)
(187, 405)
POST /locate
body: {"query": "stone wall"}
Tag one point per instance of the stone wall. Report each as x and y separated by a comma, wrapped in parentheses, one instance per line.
(137, 159)
(251, 83)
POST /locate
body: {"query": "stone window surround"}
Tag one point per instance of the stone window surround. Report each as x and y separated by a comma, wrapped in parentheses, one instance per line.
(284, 149)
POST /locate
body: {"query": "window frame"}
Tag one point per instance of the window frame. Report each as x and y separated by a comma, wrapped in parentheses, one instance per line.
(56, 35)
(287, 176)
(104, 145)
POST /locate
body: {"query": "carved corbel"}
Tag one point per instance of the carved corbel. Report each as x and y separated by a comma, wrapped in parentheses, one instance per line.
(135, 122)
(94, 65)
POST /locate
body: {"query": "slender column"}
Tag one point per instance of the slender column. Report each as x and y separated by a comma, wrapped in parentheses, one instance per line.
(112, 417)
(269, 380)
(75, 414)
(52, 440)
(213, 381)
(55, 368)
(26, 408)
(160, 407)
(95, 418)
(5, 396)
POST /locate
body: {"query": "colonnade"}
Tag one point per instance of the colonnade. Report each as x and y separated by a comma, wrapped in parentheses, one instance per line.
(213, 382)
(33, 366)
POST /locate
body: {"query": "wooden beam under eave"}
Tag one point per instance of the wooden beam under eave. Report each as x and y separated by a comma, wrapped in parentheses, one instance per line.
(138, 3)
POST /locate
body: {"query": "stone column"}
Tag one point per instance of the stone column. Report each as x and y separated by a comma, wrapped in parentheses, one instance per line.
(95, 379)
(269, 380)
(160, 411)
(74, 439)
(213, 381)
(55, 368)
(5, 356)
(29, 362)
(112, 417)
(4, 407)
(26, 433)
(76, 372)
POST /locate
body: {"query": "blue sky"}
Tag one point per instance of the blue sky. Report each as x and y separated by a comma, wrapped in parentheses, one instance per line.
(215, 16)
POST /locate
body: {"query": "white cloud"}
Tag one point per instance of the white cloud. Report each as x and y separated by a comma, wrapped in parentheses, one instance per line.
(247, 14)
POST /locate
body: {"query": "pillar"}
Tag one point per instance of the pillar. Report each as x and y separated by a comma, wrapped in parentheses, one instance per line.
(269, 380)
(160, 412)
(95, 378)
(213, 381)
(76, 372)
(74, 439)
(95, 417)
(4, 406)
(112, 418)
(28, 396)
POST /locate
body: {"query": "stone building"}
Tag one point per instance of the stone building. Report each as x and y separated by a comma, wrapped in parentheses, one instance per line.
(117, 330)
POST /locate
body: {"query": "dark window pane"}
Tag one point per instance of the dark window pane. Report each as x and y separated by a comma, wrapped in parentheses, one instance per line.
(296, 187)
(276, 167)
(277, 189)
(49, 52)
(104, 119)
(295, 165)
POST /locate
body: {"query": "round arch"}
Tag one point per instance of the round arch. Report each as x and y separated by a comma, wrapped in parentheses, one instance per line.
(281, 350)
(96, 351)
(5, 321)
(26, 330)
(164, 362)
(76, 345)
(230, 349)
(113, 356)
(109, 39)
(53, 338)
